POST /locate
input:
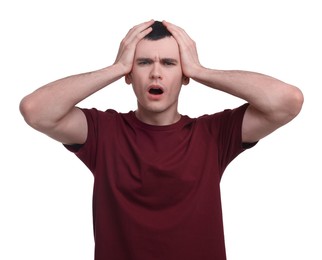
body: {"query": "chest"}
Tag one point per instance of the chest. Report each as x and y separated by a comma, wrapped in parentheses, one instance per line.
(163, 168)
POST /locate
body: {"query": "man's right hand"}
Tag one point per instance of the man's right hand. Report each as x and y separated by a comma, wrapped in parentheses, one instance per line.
(127, 47)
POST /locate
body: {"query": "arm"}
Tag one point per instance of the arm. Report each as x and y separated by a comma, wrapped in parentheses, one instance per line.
(272, 103)
(51, 108)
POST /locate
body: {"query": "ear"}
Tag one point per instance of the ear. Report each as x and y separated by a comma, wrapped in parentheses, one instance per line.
(185, 80)
(128, 79)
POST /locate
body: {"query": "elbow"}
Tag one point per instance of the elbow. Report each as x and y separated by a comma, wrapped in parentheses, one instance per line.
(296, 102)
(30, 112)
(291, 105)
(286, 106)
(25, 108)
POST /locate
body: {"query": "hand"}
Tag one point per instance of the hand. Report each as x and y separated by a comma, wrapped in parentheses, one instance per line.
(188, 50)
(127, 47)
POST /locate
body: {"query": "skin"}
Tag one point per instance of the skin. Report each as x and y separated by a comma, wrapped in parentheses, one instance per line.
(51, 108)
(273, 103)
(157, 64)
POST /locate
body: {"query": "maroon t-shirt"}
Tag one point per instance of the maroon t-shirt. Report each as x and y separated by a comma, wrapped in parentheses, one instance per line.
(156, 188)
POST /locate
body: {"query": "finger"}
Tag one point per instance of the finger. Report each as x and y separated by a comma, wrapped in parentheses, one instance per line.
(135, 34)
(129, 42)
(178, 33)
(139, 30)
(174, 28)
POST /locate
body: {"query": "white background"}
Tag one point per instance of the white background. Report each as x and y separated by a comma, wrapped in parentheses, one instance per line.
(271, 194)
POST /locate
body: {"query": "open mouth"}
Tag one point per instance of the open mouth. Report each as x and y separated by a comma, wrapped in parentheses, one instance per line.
(155, 91)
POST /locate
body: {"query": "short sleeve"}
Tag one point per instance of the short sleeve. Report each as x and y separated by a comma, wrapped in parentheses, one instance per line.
(230, 143)
(87, 151)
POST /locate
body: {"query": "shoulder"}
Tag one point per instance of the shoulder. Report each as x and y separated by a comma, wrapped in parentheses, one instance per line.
(97, 112)
(225, 115)
(94, 115)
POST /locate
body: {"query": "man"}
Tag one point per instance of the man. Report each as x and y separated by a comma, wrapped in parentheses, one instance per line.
(157, 173)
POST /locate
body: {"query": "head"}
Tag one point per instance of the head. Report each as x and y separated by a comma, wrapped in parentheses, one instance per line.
(156, 75)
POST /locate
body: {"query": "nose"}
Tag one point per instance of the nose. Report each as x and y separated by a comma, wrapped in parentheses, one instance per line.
(156, 71)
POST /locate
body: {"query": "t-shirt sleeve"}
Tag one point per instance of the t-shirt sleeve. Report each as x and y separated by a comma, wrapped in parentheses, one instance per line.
(87, 151)
(230, 135)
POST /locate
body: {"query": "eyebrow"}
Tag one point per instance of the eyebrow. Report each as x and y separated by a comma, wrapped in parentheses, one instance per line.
(170, 60)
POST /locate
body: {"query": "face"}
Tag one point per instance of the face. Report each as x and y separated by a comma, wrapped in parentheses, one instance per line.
(157, 76)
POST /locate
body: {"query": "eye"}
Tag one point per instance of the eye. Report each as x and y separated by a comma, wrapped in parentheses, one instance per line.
(144, 62)
(169, 62)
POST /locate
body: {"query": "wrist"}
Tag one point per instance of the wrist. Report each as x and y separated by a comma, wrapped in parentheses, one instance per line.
(115, 71)
(199, 73)
(121, 69)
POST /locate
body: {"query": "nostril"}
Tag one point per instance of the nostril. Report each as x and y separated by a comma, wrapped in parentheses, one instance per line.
(156, 75)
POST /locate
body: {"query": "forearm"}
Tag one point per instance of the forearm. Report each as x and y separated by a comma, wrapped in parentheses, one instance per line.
(263, 92)
(53, 101)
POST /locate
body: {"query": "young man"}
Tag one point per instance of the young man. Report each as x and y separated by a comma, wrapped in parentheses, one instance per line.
(157, 173)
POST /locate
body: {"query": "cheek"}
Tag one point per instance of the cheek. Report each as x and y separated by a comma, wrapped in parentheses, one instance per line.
(139, 75)
(178, 79)
(138, 84)
(135, 75)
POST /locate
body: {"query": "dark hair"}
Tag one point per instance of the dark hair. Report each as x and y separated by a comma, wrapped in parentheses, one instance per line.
(159, 31)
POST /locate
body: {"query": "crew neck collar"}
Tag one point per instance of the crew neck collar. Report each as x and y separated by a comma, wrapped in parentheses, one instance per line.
(169, 127)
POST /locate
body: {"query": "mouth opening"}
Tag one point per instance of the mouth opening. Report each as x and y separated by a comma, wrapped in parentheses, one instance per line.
(155, 91)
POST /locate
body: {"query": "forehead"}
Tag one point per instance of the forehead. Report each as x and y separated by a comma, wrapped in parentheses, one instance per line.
(165, 48)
